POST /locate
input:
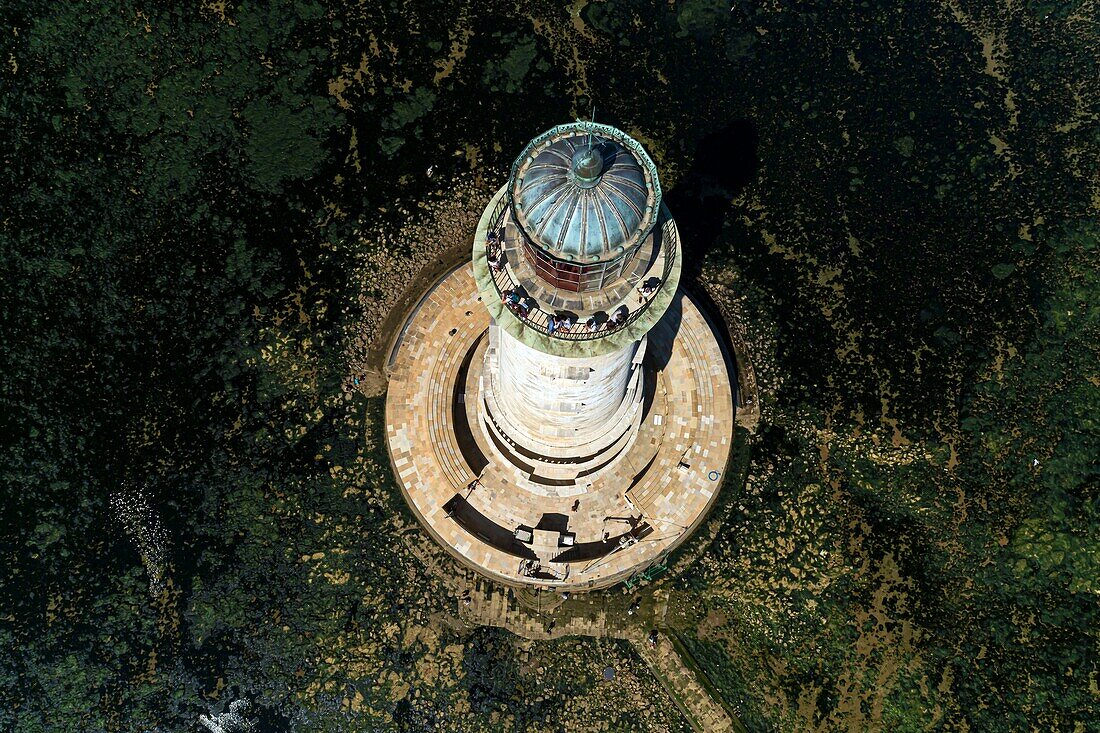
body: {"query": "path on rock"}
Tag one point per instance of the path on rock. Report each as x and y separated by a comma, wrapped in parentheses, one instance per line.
(486, 604)
(702, 711)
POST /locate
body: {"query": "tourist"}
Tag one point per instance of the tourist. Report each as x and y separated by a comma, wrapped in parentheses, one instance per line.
(592, 324)
(551, 324)
(515, 303)
(566, 323)
(618, 318)
(648, 288)
(496, 261)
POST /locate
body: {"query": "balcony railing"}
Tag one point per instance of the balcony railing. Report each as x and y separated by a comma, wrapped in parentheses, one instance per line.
(537, 318)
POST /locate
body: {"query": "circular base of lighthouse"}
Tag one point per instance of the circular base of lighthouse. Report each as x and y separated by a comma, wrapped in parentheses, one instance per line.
(575, 520)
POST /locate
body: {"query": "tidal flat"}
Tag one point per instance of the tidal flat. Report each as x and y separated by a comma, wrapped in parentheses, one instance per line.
(214, 218)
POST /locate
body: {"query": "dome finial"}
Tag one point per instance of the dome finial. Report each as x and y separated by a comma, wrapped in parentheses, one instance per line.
(588, 162)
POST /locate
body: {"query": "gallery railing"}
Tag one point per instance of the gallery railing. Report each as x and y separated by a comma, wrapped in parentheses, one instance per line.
(535, 317)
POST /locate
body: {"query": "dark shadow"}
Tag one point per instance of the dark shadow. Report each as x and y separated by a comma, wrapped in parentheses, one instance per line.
(553, 523)
(515, 454)
(589, 471)
(717, 322)
(525, 467)
(725, 162)
(638, 476)
(272, 720)
(619, 318)
(464, 436)
(562, 318)
(649, 389)
(609, 154)
(485, 529)
(547, 481)
(586, 551)
(541, 575)
(597, 319)
(663, 334)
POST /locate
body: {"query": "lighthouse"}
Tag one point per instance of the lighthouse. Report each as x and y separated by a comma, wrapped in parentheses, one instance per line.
(559, 411)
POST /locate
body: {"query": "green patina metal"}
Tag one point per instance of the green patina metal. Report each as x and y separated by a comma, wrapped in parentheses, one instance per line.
(585, 193)
(653, 571)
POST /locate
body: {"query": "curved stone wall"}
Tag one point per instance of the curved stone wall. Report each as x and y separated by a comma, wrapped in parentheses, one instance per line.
(586, 531)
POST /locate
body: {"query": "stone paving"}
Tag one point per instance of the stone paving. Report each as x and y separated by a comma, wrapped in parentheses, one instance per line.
(666, 479)
(484, 605)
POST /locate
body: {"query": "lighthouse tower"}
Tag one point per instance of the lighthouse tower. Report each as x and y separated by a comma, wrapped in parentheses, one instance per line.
(559, 412)
(576, 260)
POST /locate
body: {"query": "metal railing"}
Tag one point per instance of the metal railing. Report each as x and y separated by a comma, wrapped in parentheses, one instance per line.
(537, 318)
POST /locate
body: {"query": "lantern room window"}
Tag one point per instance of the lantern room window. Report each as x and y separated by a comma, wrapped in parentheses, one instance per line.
(572, 276)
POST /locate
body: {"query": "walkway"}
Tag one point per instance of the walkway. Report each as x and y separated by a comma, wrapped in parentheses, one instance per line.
(702, 711)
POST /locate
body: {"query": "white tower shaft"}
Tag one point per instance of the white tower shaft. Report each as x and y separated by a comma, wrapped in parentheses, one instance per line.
(560, 402)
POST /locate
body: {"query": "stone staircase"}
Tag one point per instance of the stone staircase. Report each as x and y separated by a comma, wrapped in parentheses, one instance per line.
(444, 374)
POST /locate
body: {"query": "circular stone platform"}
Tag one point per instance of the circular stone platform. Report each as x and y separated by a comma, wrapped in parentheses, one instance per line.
(583, 524)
